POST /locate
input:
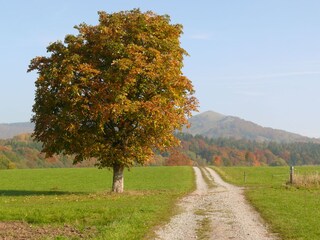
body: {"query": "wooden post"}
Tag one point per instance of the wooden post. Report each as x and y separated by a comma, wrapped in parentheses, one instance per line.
(244, 177)
(291, 174)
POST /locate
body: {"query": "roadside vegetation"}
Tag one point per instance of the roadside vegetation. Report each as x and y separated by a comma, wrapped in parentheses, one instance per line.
(77, 197)
(291, 210)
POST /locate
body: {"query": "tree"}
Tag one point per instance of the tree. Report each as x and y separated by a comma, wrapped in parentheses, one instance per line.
(114, 92)
(177, 158)
(217, 161)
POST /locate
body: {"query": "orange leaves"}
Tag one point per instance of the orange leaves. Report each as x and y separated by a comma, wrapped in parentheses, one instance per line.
(217, 161)
(88, 70)
(178, 158)
(115, 91)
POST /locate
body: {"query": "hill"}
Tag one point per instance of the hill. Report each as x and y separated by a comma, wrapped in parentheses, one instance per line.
(215, 125)
(22, 152)
(209, 124)
(242, 152)
(214, 139)
(9, 130)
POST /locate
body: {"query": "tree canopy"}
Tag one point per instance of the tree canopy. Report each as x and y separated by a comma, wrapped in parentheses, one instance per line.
(114, 92)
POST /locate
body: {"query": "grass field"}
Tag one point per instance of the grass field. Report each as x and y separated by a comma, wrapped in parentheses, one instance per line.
(292, 212)
(81, 197)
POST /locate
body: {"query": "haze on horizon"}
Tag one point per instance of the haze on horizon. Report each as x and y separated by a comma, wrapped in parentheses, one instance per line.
(258, 60)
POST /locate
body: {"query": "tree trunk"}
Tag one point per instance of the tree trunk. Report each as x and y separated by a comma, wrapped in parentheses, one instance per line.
(117, 185)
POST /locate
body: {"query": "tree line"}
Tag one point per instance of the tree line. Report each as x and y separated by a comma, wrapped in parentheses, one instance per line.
(235, 152)
(23, 152)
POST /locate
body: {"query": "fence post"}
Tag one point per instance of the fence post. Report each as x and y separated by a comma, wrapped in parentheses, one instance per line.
(244, 177)
(291, 174)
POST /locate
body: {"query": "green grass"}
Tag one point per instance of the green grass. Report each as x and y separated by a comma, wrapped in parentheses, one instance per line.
(203, 230)
(292, 212)
(81, 197)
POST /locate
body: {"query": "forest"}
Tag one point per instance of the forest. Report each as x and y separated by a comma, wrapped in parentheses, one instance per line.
(22, 152)
(233, 152)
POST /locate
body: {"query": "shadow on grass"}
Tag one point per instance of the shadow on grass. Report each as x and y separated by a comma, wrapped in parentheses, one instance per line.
(14, 193)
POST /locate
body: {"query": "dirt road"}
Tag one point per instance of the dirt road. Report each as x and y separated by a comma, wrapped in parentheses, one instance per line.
(217, 212)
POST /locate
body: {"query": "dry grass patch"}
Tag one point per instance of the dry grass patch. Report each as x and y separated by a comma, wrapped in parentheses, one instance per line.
(22, 230)
(310, 180)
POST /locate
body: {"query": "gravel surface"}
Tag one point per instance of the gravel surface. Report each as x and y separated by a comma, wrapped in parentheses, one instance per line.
(217, 212)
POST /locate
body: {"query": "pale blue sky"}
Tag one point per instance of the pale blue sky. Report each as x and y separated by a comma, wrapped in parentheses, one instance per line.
(256, 59)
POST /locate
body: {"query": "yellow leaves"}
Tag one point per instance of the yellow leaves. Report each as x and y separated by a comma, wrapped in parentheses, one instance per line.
(115, 91)
(104, 30)
(71, 127)
(122, 64)
(88, 71)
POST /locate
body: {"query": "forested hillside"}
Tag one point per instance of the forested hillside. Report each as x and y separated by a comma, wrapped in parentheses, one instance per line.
(22, 152)
(233, 152)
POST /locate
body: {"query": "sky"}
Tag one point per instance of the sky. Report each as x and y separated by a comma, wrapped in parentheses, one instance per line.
(255, 59)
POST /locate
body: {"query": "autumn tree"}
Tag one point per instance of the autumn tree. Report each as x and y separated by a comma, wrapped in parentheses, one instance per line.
(177, 158)
(114, 91)
(217, 161)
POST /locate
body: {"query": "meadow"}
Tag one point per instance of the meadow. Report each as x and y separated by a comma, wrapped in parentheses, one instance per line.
(82, 198)
(291, 211)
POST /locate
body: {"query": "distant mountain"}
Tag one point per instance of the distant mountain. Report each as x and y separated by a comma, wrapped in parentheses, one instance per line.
(215, 125)
(209, 124)
(9, 130)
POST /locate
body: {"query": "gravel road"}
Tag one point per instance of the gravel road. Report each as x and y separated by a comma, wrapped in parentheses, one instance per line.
(217, 212)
